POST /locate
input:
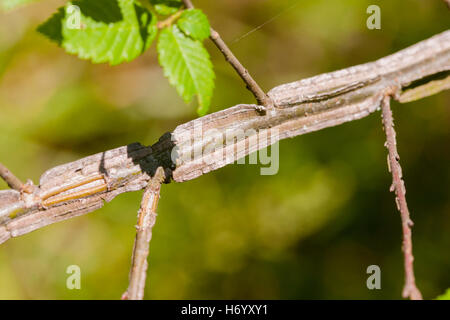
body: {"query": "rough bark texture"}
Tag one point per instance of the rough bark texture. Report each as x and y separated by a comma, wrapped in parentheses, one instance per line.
(308, 105)
(410, 289)
(144, 227)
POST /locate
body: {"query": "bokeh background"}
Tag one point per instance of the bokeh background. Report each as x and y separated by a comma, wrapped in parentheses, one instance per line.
(308, 232)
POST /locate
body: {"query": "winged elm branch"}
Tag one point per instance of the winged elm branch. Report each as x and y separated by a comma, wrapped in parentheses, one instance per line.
(304, 106)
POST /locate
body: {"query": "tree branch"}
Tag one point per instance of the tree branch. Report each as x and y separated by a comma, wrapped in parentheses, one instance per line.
(398, 185)
(261, 97)
(146, 221)
(304, 106)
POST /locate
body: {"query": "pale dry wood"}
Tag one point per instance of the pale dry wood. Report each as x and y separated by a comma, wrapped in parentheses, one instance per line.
(144, 227)
(410, 289)
(12, 181)
(304, 106)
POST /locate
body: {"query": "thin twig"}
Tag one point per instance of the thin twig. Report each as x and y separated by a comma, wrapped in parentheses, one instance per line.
(188, 4)
(146, 221)
(12, 181)
(261, 97)
(410, 290)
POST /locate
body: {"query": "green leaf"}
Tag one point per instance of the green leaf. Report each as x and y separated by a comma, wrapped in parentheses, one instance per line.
(445, 296)
(52, 28)
(194, 23)
(187, 65)
(111, 31)
(166, 7)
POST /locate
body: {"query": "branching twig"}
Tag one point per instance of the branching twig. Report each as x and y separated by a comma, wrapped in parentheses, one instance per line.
(308, 105)
(145, 223)
(12, 181)
(312, 104)
(410, 290)
(261, 97)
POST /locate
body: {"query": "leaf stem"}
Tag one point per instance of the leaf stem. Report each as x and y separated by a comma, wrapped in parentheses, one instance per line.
(170, 20)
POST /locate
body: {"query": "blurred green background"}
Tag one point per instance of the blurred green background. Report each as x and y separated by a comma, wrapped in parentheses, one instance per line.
(308, 232)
